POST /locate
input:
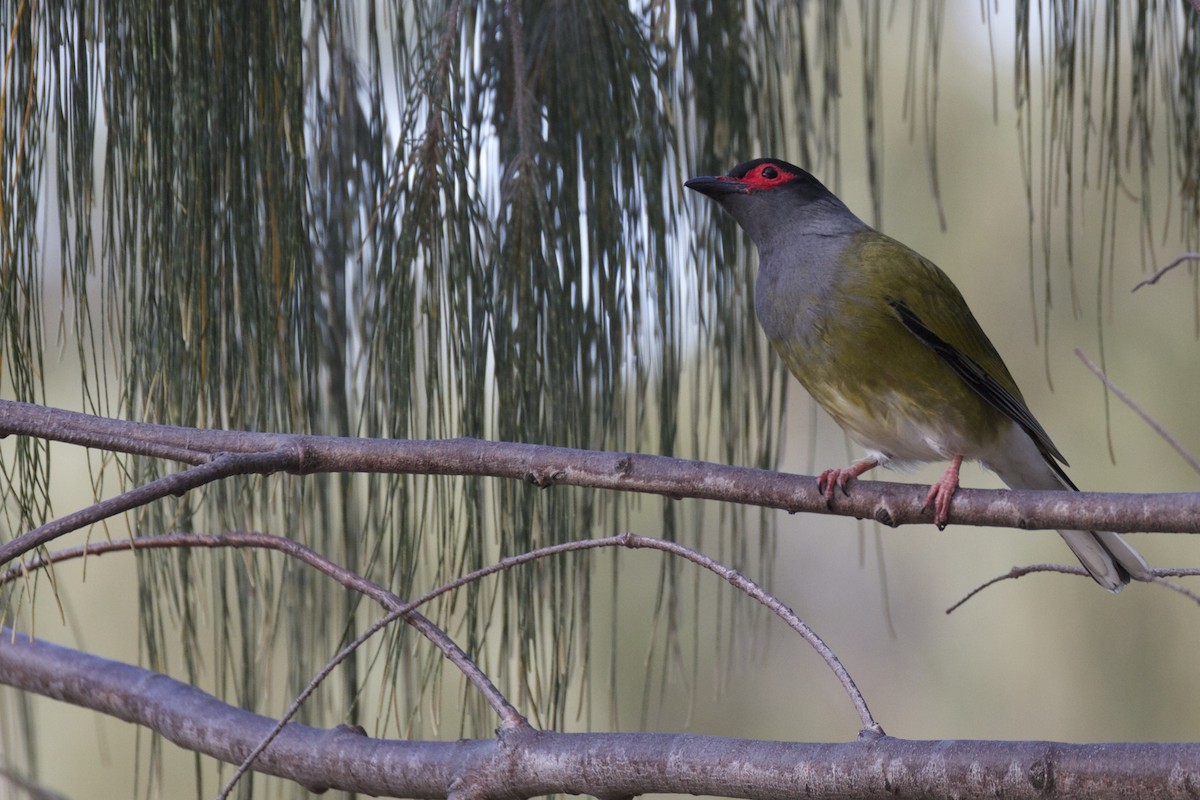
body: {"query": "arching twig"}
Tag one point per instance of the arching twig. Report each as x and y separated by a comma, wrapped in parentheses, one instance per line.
(1158, 576)
(509, 715)
(629, 540)
(1185, 257)
(1127, 400)
(222, 465)
(1013, 574)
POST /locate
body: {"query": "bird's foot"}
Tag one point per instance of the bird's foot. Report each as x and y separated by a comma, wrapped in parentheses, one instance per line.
(830, 479)
(942, 492)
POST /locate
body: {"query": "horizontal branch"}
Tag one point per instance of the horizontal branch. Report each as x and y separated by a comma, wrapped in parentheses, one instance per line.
(892, 504)
(533, 763)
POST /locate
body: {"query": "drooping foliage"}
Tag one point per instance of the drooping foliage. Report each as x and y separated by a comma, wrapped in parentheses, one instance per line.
(458, 219)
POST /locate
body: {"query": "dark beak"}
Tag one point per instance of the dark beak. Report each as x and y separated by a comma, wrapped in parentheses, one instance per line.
(716, 186)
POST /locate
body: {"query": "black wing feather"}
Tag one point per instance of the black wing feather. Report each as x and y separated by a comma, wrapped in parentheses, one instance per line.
(978, 379)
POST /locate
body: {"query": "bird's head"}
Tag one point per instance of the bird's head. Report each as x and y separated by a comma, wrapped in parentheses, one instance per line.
(767, 196)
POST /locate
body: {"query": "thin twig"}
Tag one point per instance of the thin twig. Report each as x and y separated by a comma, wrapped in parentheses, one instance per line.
(775, 605)
(222, 465)
(1173, 264)
(1127, 400)
(509, 715)
(1158, 576)
(628, 540)
(1018, 572)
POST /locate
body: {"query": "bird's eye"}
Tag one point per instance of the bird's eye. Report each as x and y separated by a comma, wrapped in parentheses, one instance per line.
(770, 173)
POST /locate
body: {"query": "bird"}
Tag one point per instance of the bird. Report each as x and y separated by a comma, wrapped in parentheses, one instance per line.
(884, 341)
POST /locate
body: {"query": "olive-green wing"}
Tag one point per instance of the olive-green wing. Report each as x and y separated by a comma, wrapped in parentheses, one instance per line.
(934, 311)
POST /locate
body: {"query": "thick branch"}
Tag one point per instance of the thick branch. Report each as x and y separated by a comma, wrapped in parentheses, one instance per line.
(890, 503)
(602, 764)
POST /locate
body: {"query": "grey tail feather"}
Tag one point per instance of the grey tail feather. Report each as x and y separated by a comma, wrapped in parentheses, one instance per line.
(1109, 559)
(1127, 558)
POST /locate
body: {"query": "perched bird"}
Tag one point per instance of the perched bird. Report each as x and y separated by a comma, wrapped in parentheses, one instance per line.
(885, 343)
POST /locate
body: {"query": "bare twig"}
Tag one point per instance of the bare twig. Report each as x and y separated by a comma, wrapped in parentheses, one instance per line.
(629, 540)
(222, 465)
(1018, 572)
(749, 587)
(1185, 257)
(509, 716)
(1159, 576)
(1127, 400)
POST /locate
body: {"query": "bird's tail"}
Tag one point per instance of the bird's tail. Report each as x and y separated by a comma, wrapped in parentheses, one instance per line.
(1109, 559)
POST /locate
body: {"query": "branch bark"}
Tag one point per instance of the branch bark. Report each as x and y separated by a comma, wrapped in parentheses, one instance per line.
(531, 763)
(509, 716)
(523, 762)
(893, 504)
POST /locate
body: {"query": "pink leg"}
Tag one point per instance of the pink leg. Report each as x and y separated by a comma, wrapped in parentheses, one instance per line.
(942, 491)
(830, 478)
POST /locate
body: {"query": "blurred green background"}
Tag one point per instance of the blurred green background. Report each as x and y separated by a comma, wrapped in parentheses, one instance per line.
(1047, 657)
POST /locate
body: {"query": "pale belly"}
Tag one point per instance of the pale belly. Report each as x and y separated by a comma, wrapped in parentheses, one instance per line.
(894, 430)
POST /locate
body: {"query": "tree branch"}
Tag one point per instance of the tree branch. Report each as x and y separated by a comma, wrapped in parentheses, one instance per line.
(222, 465)
(512, 722)
(509, 716)
(630, 540)
(525, 762)
(615, 764)
(892, 504)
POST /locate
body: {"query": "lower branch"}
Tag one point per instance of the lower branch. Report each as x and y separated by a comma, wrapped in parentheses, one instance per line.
(601, 764)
